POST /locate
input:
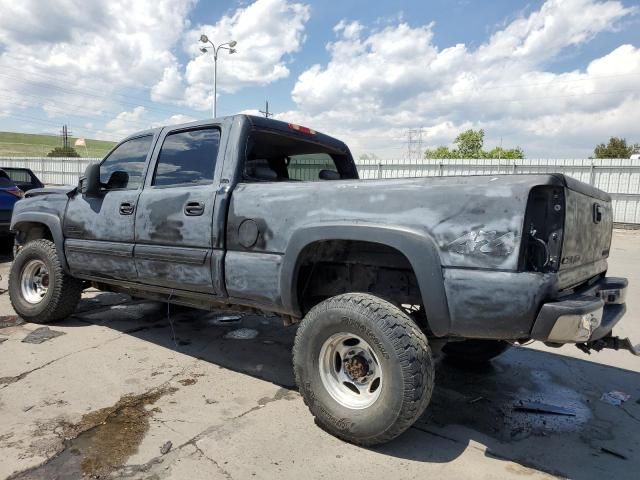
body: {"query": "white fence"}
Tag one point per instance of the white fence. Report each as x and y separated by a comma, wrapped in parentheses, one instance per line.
(618, 177)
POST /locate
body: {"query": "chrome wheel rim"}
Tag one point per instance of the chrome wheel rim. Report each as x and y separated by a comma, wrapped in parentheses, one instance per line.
(350, 370)
(34, 281)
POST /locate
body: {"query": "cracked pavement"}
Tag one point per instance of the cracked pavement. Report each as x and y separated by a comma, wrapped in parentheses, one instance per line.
(230, 409)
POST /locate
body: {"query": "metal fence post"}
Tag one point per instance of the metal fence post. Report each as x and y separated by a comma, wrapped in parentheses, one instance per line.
(380, 170)
(592, 174)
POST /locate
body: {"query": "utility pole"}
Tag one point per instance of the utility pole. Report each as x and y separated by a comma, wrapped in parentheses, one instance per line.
(266, 111)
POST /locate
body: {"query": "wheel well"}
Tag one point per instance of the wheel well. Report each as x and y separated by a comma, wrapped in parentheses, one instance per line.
(29, 231)
(331, 267)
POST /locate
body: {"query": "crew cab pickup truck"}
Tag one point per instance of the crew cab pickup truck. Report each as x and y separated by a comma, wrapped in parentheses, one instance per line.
(256, 214)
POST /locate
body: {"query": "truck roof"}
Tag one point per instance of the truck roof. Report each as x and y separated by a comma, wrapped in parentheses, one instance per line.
(258, 123)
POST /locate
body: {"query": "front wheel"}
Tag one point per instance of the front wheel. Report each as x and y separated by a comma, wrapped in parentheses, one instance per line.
(39, 289)
(363, 367)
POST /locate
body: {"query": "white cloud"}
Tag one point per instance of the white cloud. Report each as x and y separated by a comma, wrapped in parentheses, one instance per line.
(139, 118)
(126, 123)
(380, 82)
(71, 58)
(267, 32)
(97, 60)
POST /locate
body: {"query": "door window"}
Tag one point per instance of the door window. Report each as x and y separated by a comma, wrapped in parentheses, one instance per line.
(187, 158)
(123, 168)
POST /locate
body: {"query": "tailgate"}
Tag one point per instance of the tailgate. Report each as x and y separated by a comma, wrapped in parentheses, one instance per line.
(587, 229)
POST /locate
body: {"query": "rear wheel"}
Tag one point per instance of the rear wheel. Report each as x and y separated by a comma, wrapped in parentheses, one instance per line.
(39, 289)
(474, 352)
(363, 367)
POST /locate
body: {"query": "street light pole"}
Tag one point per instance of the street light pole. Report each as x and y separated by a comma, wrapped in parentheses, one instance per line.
(225, 46)
(215, 83)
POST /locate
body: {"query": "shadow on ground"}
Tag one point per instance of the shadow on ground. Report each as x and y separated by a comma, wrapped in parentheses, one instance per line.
(471, 408)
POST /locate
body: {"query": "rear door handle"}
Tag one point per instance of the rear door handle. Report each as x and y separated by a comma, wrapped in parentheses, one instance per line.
(126, 208)
(193, 209)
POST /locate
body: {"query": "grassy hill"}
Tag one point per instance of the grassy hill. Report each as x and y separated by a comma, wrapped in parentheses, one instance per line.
(30, 145)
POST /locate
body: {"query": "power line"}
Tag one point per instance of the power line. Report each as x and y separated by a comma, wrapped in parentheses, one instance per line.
(88, 91)
(146, 87)
(77, 112)
(110, 98)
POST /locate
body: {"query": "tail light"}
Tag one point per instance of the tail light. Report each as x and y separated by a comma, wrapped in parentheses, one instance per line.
(301, 129)
(543, 229)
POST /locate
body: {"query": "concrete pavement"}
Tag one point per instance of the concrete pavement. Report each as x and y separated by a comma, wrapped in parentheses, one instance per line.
(107, 396)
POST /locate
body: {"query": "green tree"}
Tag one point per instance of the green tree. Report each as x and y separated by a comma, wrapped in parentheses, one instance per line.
(499, 152)
(63, 152)
(469, 144)
(616, 148)
(441, 152)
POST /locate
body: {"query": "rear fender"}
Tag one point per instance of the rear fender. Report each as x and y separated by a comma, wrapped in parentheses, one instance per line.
(420, 250)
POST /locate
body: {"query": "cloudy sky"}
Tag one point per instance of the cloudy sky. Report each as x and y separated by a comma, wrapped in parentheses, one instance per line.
(554, 77)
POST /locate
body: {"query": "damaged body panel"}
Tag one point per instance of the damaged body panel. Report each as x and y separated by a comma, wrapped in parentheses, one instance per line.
(248, 212)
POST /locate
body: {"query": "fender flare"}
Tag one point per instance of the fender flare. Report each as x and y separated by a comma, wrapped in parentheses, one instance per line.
(52, 222)
(419, 249)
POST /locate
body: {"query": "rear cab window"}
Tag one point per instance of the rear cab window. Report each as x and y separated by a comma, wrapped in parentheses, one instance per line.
(277, 157)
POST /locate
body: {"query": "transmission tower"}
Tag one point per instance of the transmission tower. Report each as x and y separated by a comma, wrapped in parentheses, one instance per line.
(414, 143)
(64, 133)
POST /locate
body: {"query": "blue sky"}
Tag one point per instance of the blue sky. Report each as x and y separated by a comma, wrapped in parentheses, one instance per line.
(479, 19)
(554, 77)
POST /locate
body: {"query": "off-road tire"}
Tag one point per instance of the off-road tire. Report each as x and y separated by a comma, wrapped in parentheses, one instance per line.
(474, 352)
(405, 360)
(63, 293)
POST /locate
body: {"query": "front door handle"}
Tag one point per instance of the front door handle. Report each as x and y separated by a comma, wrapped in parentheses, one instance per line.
(126, 208)
(193, 209)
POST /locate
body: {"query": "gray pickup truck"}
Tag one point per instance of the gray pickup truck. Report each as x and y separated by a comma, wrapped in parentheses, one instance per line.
(255, 214)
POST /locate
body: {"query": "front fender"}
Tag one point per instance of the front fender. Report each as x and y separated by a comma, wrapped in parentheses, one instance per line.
(420, 250)
(20, 221)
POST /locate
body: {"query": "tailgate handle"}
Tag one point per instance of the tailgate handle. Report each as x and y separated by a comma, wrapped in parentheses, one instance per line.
(597, 213)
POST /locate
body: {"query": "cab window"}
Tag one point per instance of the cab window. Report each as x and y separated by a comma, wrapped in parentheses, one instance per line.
(188, 158)
(123, 168)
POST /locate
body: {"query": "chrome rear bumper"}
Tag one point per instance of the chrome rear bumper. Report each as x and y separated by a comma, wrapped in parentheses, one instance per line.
(587, 316)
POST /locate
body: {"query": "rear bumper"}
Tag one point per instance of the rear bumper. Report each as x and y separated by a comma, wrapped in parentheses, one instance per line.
(587, 316)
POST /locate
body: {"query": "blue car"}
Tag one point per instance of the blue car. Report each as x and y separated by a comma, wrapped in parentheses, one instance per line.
(13, 183)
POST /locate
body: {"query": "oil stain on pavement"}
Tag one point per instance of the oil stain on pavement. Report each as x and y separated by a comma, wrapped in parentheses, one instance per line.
(101, 441)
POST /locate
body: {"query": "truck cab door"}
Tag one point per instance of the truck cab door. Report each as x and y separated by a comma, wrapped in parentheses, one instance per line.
(175, 235)
(99, 230)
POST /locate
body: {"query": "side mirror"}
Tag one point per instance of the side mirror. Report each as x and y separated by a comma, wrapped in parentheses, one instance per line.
(90, 183)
